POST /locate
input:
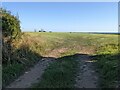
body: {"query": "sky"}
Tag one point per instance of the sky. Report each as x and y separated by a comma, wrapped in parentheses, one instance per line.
(66, 16)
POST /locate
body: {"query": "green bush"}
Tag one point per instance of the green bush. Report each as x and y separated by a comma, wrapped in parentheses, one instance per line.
(10, 24)
(10, 31)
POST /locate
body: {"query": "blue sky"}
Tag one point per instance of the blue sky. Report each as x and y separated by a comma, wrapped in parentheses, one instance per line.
(66, 17)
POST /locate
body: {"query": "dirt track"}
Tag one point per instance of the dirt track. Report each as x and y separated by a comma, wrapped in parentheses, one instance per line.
(32, 76)
(86, 77)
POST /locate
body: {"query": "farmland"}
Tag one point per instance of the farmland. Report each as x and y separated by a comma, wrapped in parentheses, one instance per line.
(60, 45)
(65, 48)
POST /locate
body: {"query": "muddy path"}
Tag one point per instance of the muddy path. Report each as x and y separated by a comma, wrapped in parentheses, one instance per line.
(86, 76)
(33, 75)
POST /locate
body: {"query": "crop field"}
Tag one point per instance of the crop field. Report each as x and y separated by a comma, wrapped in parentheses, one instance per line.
(65, 49)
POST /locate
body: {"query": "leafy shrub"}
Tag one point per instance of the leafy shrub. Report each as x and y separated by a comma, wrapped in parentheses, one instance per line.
(10, 24)
(10, 30)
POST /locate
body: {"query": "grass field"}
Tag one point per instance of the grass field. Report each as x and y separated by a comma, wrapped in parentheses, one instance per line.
(32, 46)
(45, 42)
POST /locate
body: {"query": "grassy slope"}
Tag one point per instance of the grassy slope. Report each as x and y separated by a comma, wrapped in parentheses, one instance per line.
(40, 44)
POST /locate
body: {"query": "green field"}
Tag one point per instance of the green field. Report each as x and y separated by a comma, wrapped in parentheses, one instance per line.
(46, 42)
(33, 46)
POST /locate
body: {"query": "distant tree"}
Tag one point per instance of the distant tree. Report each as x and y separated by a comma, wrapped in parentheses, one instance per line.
(42, 30)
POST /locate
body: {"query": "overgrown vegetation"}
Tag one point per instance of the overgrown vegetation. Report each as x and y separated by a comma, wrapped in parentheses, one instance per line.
(107, 62)
(23, 59)
(10, 24)
(16, 55)
(10, 31)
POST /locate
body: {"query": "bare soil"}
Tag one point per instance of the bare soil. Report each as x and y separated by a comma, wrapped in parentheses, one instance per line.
(32, 76)
(86, 77)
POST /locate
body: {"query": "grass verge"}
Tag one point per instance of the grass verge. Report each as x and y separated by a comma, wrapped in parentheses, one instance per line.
(107, 63)
(23, 59)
